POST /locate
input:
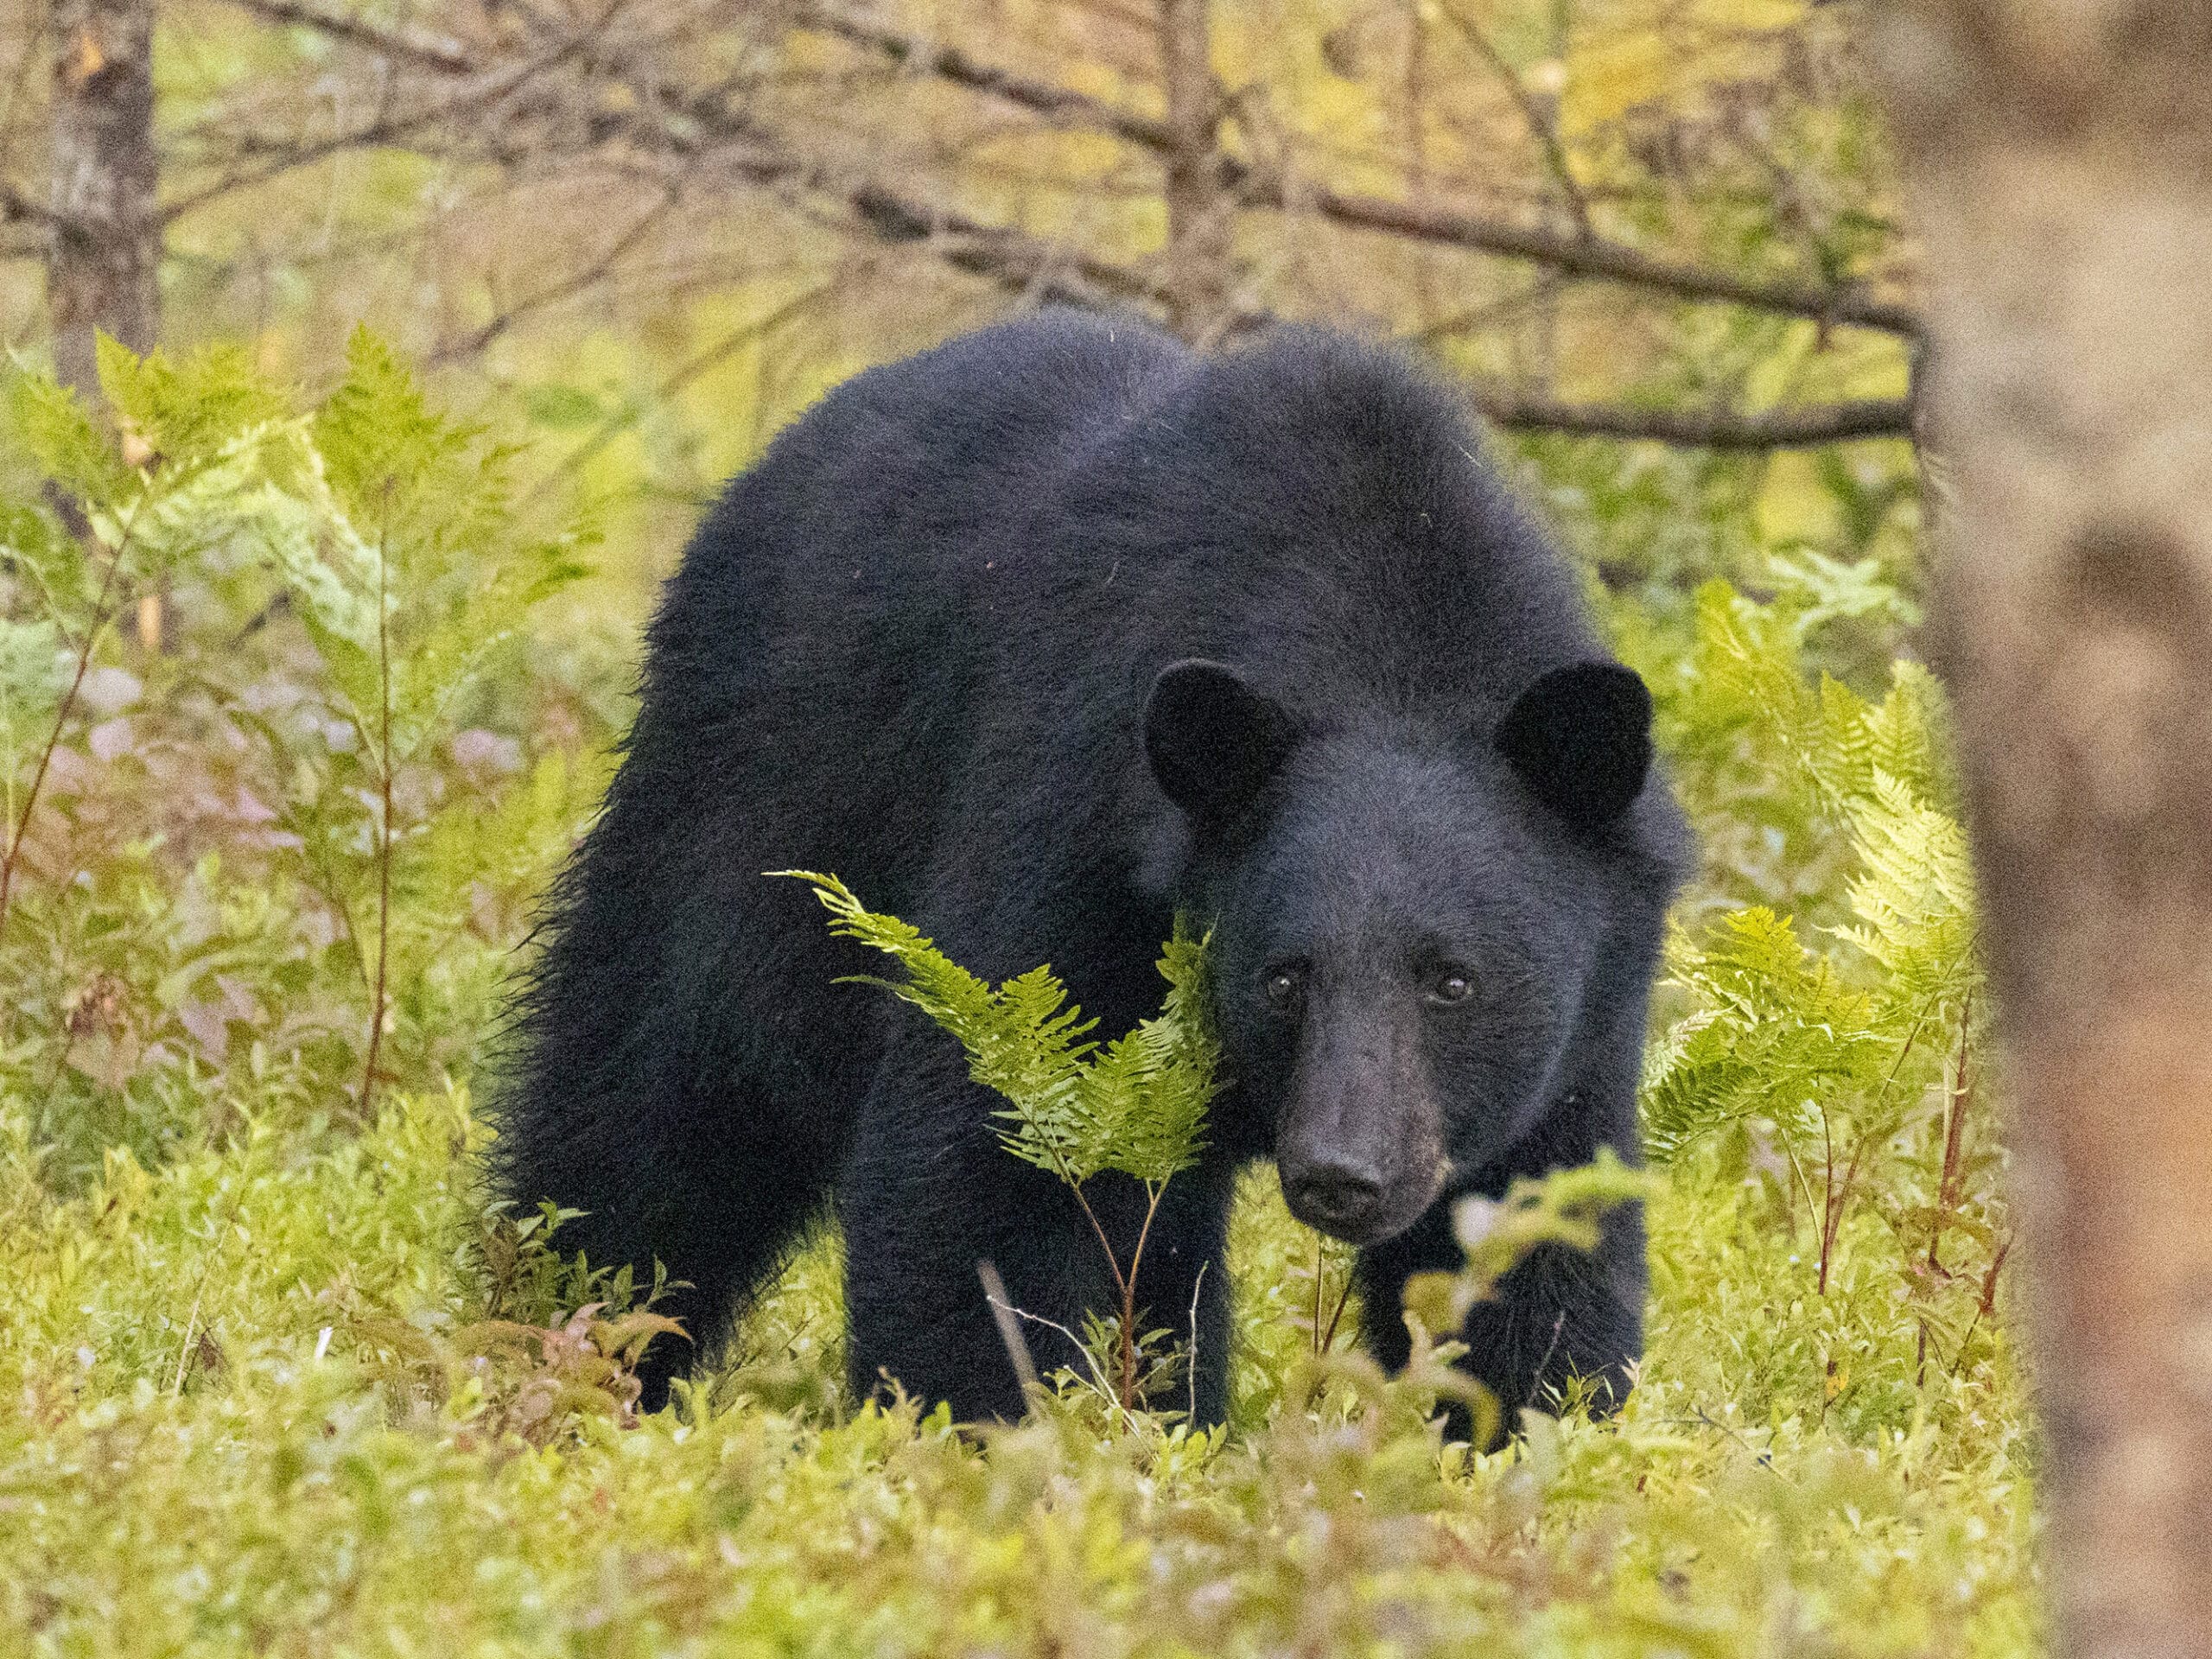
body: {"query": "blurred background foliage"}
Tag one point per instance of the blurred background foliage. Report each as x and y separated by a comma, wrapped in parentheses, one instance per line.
(317, 640)
(650, 232)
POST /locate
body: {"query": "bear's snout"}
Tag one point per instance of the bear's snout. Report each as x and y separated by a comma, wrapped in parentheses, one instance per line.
(1360, 1151)
(1339, 1196)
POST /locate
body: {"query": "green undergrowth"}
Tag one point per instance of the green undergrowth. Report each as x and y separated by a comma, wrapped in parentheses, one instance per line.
(276, 1378)
(180, 1471)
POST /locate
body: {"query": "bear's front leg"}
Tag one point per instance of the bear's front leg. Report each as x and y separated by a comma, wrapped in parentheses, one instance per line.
(929, 1191)
(927, 1194)
(1560, 1314)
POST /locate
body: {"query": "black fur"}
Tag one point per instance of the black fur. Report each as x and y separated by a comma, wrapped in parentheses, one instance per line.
(922, 644)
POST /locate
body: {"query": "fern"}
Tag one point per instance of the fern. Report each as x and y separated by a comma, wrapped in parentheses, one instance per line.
(336, 585)
(1830, 1038)
(1135, 1107)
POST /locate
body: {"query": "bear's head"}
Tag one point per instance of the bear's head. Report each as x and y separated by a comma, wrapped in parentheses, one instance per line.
(1412, 926)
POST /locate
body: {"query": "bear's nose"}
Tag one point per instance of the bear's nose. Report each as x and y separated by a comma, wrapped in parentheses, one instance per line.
(1337, 1195)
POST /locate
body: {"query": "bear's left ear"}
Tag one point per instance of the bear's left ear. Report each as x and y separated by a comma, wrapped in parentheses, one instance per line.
(1580, 738)
(1213, 742)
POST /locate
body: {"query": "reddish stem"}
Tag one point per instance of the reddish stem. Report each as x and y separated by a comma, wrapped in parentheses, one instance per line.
(100, 619)
(1947, 1189)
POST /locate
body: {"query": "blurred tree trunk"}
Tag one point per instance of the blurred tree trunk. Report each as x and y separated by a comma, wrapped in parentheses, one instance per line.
(106, 239)
(1199, 211)
(104, 256)
(2061, 159)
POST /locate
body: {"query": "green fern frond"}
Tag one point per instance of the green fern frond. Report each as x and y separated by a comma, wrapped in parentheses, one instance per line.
(188, 406)
(1136, 1106)
(1779, 1031)
(1907, 734)
(1914, 897)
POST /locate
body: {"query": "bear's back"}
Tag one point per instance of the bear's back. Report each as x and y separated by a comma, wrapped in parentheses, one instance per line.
(1319, 510)
(983, 553)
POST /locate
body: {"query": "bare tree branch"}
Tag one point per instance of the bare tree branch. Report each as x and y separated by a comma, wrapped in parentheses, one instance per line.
(17, 208)
(679, 120)
(566, 288)
(721, 352)
(1612, 261)
(495, 84)
(442, 53)
(1592, 256)
(1574, 255)
(1784, 429)
(949, 63)
(1542, 123)
(1200, 213)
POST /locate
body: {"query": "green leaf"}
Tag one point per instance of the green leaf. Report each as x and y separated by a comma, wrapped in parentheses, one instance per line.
(1137, 1107)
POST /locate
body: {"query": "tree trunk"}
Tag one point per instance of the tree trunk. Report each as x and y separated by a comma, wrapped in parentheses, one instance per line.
(2061, 158)
(106, 242)
(1199, 212)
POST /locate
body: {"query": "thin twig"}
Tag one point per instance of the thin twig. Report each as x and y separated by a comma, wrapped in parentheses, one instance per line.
(1947, 1180)
(1542, 127)
(503, 82)
(207, 1272)
(442, 53)
(1197, 1285)
(1537, 1382)
(1832, 1212)
(1763, 1459)
(1097, 1379)
(1017, 1351)
(1827, 1195)
(1805, 1185)
(568, 288)
(1986, 1306)
(1954, 1112)
(685, 372)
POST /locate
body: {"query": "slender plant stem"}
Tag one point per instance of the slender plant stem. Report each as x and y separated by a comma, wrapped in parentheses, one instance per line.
(1836, 1198)
(1343, 1300)
(101, 617)
(1197, 1285)
(384, 829)
(1804, 1184)
(1125, 1284)
(1313, 1326)
(1113, 1262)
(207, 1272)
(1129, 1300)
(1987, 1305)
(1947, 1185)
(1827, 1195)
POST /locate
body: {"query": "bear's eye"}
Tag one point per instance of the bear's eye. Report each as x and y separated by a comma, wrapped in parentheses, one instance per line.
(1283, 986)
(1450, 987)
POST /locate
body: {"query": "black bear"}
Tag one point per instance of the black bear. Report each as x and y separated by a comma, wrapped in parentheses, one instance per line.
(1035, 639)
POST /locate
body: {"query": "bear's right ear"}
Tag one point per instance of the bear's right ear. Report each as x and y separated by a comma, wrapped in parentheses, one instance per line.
(1213, 741)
